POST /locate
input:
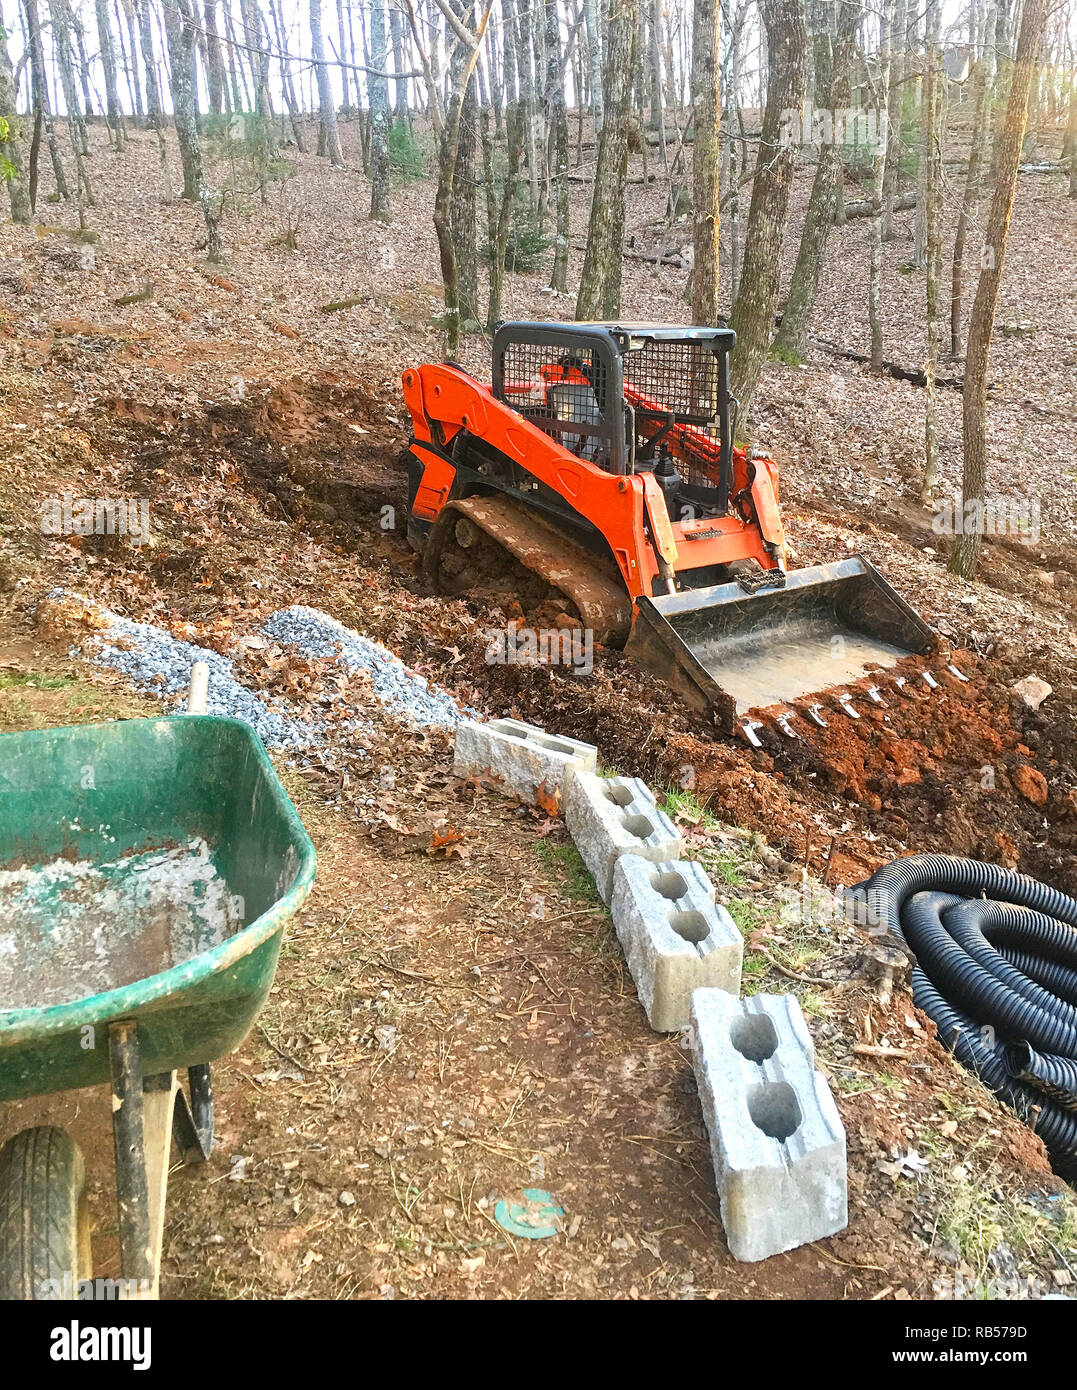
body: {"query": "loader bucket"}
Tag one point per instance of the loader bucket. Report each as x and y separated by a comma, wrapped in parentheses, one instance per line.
(731, 651)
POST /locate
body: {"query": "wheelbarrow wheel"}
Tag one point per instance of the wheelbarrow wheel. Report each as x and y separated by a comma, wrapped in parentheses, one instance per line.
(44, 1218)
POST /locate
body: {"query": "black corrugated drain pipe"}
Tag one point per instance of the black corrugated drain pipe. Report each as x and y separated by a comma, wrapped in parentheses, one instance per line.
(996, 972)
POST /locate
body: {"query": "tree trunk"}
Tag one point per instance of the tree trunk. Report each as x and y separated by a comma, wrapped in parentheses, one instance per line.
(881, 204)
(705, 192)
(214, 59)
(62, 32)
(42, 104)
(462, 65)
(463, 212)
(287, 86)
(326, 104)
(179, 31)
(591, 18)
(114, 111)
(968, 201)
(378, 87)
(401, 110)
(557, 124)
(757, 298)
(130, 52)
(933, 80)
(895, 105)
(600, 281)
(964, 559)
(514, 135)
(258, 53)
(12, 164)
(819, 218)
(153, 93)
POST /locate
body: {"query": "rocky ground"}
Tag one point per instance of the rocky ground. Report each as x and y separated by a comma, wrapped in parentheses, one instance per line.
(452, 1003)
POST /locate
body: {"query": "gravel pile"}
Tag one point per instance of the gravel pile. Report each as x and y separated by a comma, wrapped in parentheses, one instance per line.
(409, 696)
(160, 664)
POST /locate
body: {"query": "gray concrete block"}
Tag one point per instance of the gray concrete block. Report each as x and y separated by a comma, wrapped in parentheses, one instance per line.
(777, 1141)
(523, 757)
(674, 937)
(611, 816)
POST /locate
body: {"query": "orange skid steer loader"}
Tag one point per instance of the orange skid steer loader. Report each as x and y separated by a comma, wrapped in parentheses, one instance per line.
(602, 460)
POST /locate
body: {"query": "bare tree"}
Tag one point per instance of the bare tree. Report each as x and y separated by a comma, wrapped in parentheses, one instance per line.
(965, 557)
(932, 115)
(12, 162)
(401, 110)
(819, 218)
(600, 282)
(499, 215)
(378, 86)
(592, 21)
(113, 111)
(42, 104)
(214, 59)
(180, 34)
(757, 298)
(972, 186)
(153, 93)
(326, 104)
(63, 30)
(885, 150)
(557, 125)
(706, 114)
(465, 55)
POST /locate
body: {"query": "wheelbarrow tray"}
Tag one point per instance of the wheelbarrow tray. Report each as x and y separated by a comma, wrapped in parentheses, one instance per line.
(110, 793)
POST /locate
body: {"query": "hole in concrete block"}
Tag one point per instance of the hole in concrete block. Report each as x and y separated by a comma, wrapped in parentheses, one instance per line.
(620, 796)
(775, 1110)
(754, 1037)
(690, 926)
(554, 745)
(639, 826)
(671, 885)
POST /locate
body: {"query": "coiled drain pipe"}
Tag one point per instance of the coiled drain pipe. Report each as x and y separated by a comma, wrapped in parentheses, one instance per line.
(996, 972)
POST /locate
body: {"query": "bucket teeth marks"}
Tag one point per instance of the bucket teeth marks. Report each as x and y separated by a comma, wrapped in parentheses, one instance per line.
(675, 938)
(528, 762)
(777, 1142)
(611, 816)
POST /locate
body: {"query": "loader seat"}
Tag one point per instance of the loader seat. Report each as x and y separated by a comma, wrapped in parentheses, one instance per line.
(576, 403)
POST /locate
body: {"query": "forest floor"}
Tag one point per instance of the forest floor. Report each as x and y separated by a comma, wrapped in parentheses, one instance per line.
(452, 1002)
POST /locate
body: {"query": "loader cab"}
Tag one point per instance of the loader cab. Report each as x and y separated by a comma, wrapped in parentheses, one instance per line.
(629, 398)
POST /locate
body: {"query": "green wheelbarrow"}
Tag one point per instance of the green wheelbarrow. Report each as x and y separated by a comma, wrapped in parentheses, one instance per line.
(147, 870)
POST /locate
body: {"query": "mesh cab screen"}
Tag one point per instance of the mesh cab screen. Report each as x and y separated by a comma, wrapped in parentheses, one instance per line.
(673, 387)
(564, 391)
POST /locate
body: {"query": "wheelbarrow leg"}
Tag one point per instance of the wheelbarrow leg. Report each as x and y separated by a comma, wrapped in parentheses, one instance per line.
(158, 1102)
(129, 1135)
(192, 1121)
(142, 1132)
